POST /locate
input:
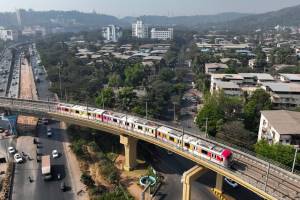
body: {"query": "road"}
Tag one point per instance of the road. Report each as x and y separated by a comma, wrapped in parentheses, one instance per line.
(173, 166)
(39, 189)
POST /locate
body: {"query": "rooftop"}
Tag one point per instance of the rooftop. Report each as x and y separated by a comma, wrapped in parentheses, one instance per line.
(289, 126)
(259, 76)
(292, 77)
(216, 65)
(227, 76)
(283, 87)
(227, 85)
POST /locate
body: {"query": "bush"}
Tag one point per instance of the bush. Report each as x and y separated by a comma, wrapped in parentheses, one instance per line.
(87, 180)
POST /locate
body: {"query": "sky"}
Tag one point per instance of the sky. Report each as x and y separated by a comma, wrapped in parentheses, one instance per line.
(121, 8)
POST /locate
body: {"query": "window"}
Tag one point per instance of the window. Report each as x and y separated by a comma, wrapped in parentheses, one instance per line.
(204, 152)
(126, 123)
(115, 120)
(187, 145)
(172, 138)
(77, 112)
(140, 127)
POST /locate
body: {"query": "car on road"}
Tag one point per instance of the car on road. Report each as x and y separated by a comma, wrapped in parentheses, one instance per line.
(231, 182)
(18, 158)
(11, 150)
(55, 153)
(49, 132)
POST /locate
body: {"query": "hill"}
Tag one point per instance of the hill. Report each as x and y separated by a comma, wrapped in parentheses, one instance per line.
(286, 17)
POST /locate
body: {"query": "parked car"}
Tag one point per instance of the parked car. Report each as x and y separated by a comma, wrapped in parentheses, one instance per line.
(55, 153)
(11, 150)
(18, 158)
(231, 182)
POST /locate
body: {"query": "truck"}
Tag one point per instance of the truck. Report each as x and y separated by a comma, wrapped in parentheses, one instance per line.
(46, 167)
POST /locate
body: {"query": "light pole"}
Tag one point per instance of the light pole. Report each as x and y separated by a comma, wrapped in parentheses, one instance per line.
(206, 128)
(267, 177)
(59, 76)
(146, 109)
(174, 109)
(295, 158)
(102, 100)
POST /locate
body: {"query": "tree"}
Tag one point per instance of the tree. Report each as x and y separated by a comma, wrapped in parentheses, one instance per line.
(281, 153)
(166, 74)
(260, 100)
(106, 97)
(127, 98)
(217, 109)
(115, 80)
(134, 75)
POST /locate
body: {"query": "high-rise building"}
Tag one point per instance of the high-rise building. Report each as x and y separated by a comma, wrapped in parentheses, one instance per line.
(7, 34)
(162, 33)
(139, 29)
(112, 33)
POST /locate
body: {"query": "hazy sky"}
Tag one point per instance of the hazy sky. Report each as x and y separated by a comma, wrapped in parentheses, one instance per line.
(121, 8)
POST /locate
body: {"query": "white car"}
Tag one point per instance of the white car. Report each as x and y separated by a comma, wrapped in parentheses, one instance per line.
(11, 150)
(55, 153)
(18, 158)
(231, 182)
(49, 132)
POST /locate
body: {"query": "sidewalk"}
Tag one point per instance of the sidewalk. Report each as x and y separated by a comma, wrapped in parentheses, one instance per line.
(73, 167)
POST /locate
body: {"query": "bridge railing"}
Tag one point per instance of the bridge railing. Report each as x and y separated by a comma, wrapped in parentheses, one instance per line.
(49, 105)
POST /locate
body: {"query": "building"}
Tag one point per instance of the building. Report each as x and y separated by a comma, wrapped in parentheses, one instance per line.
(234, 78)
(274, 129)
(283, 95)
(211, 68)
(256, 78)
(162, 33)
(139, 29)
(229, 88)
(252, 63)
(8, 34)
(290, 78)
(111, 33)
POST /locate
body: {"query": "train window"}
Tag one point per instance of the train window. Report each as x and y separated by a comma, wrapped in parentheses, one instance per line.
(89, 114)
(140, 127)
(77, 112)
(187, 145)
(67, 110)
(126, 123)
(115, 120)
(203, 151)
(171, 138)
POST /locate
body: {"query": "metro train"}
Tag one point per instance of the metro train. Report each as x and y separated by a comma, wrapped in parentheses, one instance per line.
(193, 145)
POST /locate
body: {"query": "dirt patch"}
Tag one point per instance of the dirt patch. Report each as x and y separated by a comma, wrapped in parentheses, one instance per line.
(130, 179)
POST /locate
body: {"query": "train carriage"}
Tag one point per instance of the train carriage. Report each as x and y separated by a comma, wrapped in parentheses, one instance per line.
(65, 108)
(169, 135)
(146, 127)
(113, 118)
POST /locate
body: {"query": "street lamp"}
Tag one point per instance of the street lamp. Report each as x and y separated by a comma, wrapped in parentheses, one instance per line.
(59, 66)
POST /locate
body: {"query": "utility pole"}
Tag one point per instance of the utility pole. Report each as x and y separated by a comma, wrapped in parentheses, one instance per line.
(59, 80)
(146, 109)
(267, 177)
(206, 122)
(174, 107)
(295, 158)
(102, 100)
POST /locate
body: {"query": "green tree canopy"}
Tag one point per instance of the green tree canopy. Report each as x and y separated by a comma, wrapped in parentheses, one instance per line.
(134, 75)
(127, 98)
(258, 101)
(107, 97)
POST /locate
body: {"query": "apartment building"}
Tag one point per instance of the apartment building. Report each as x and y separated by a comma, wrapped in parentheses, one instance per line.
(7, 34)
(229, 88)
(274, 129)
(111, 33)
(283, 95)
(139, 29)
(290, 78)
(211, 68)
(162, 33)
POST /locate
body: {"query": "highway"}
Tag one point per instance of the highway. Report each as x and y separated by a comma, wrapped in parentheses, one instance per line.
(40, 189)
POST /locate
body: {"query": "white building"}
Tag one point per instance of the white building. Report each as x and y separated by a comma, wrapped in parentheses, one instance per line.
(280, 126)
(252, 63)
(111, 33)
(139, 29)
(7, 34)
(162, 33)
(283, 95)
